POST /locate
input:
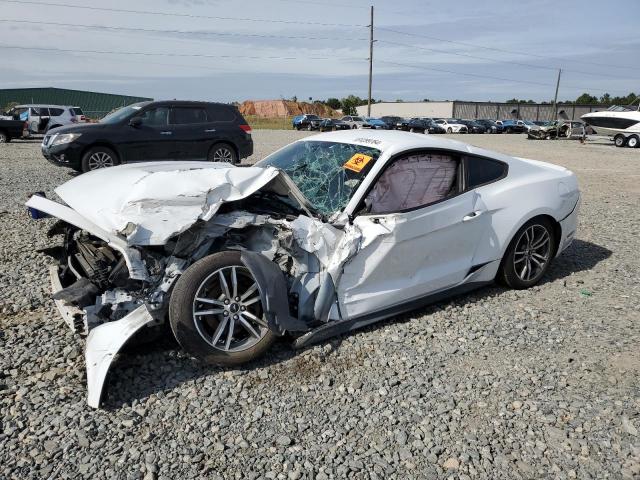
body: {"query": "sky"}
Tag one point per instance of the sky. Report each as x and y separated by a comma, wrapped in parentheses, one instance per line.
(230, 50)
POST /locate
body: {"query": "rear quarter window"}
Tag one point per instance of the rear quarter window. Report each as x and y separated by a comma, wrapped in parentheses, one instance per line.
(56, 112)
(481, 171)
(222, 114)
(77, 111)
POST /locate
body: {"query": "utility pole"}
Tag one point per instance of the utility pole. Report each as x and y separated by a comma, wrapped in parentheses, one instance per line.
(555, 103)
(370, 62)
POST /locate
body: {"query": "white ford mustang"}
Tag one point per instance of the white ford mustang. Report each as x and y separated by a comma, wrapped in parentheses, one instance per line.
(326, 235)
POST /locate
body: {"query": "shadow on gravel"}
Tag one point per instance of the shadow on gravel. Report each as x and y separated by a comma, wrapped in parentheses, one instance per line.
(580, 256)
(160, 366)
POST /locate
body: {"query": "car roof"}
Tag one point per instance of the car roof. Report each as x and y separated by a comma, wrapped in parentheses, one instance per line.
(42, 105)
(188, 103)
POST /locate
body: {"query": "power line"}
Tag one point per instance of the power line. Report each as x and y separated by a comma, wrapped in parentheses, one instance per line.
(153, 54)
(446, 52)
(500, 49)
(185, 32)
(172, 14)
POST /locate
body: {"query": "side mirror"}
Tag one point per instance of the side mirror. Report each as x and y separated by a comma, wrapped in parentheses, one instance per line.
(135, 122)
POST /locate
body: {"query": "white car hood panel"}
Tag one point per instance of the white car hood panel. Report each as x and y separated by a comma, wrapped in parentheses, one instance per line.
(149, 202)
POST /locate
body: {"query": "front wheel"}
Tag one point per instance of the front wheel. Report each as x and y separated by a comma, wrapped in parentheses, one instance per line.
(449, 130)
(4, 138)
(99, 157)
(216, 311)
(223, 153)
(529, 255)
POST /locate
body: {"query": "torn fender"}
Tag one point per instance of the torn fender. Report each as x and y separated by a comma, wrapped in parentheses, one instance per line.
(103, 342)
(273, 293)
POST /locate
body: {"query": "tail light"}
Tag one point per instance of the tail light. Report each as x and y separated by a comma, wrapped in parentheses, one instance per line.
(246, 128)
(83, 118)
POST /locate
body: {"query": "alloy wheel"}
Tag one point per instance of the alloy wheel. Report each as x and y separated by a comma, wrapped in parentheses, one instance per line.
(532, 253)
(100, 160)
(227, 310)
(223, 154)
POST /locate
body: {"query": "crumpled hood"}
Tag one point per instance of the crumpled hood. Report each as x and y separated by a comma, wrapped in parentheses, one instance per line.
(148, 203)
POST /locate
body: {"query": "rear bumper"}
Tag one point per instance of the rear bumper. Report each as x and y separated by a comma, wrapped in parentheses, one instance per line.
(245, 149)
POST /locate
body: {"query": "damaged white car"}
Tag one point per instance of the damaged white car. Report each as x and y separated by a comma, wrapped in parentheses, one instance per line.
(326, 235)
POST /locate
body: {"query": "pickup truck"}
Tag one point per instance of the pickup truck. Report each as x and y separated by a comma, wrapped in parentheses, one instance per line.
(10, 129)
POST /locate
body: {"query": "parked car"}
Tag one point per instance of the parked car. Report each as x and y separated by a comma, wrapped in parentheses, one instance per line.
(306, 122)
(391, 121)
(472, 126)
(375, 123)
(419, 125)
(491, 126)
(10, 129)
(148, 131)
(513, 126)
(354, 122)
(41, 118)
(232, 272)
(565, 129)
(332, 124)
(451, 125)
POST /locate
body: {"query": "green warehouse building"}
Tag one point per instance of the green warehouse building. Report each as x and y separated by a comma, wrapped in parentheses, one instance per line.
(93, 104)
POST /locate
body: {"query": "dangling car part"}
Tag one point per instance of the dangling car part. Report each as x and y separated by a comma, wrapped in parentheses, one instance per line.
(326, 235)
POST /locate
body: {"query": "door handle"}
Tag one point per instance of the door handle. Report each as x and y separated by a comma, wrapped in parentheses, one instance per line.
(166, 133)
(472, 215)
(209, 130)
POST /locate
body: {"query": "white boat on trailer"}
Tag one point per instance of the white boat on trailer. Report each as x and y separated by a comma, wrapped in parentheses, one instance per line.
(621, 123)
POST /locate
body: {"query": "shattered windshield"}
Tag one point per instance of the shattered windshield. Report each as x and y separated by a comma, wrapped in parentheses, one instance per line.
(327, 173)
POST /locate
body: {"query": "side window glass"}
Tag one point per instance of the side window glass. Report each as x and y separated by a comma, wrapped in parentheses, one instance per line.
(56, 112)
(188, 115)
(35, 111)
(483, 170)
(413, 181)
(155, 117)
(225, 114)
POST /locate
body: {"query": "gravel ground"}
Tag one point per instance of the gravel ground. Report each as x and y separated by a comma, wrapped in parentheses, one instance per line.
(497, 384)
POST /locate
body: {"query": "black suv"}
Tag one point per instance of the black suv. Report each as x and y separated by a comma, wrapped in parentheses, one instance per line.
(147, 131)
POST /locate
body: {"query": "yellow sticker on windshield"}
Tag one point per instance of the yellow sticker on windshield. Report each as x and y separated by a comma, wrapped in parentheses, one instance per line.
(357, 162)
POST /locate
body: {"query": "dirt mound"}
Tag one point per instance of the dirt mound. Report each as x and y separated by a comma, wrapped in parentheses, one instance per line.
(284, 108)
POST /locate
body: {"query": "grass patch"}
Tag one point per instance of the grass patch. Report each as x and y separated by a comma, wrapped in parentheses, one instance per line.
(261, 123)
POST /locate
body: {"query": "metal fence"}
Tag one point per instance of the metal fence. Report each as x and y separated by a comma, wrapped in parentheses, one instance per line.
(524, 111)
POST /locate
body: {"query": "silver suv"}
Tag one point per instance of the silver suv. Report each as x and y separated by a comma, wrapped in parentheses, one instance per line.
(355, 122)
(42, 118)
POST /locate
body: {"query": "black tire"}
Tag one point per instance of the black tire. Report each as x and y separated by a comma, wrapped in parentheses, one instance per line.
(620, 140)
(224, 153)
(633, 141)
(309, 128)
(297, 127)
(99, 157)
(449, 130)
(191, 334)
(4, 138)
(507, 274)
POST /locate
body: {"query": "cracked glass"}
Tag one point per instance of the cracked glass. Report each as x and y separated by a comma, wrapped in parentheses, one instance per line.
(322, 172)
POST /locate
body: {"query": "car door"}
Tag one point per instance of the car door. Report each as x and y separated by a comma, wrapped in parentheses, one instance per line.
(192, 132)
(152, 139)
(419, 240)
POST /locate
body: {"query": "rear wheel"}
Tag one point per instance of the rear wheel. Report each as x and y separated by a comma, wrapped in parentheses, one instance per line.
(216, 311)
(223, 153)
(529, 255)
(4, 138)
(633, 141)
(99, 157)
(449, 130)
(620, 140)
